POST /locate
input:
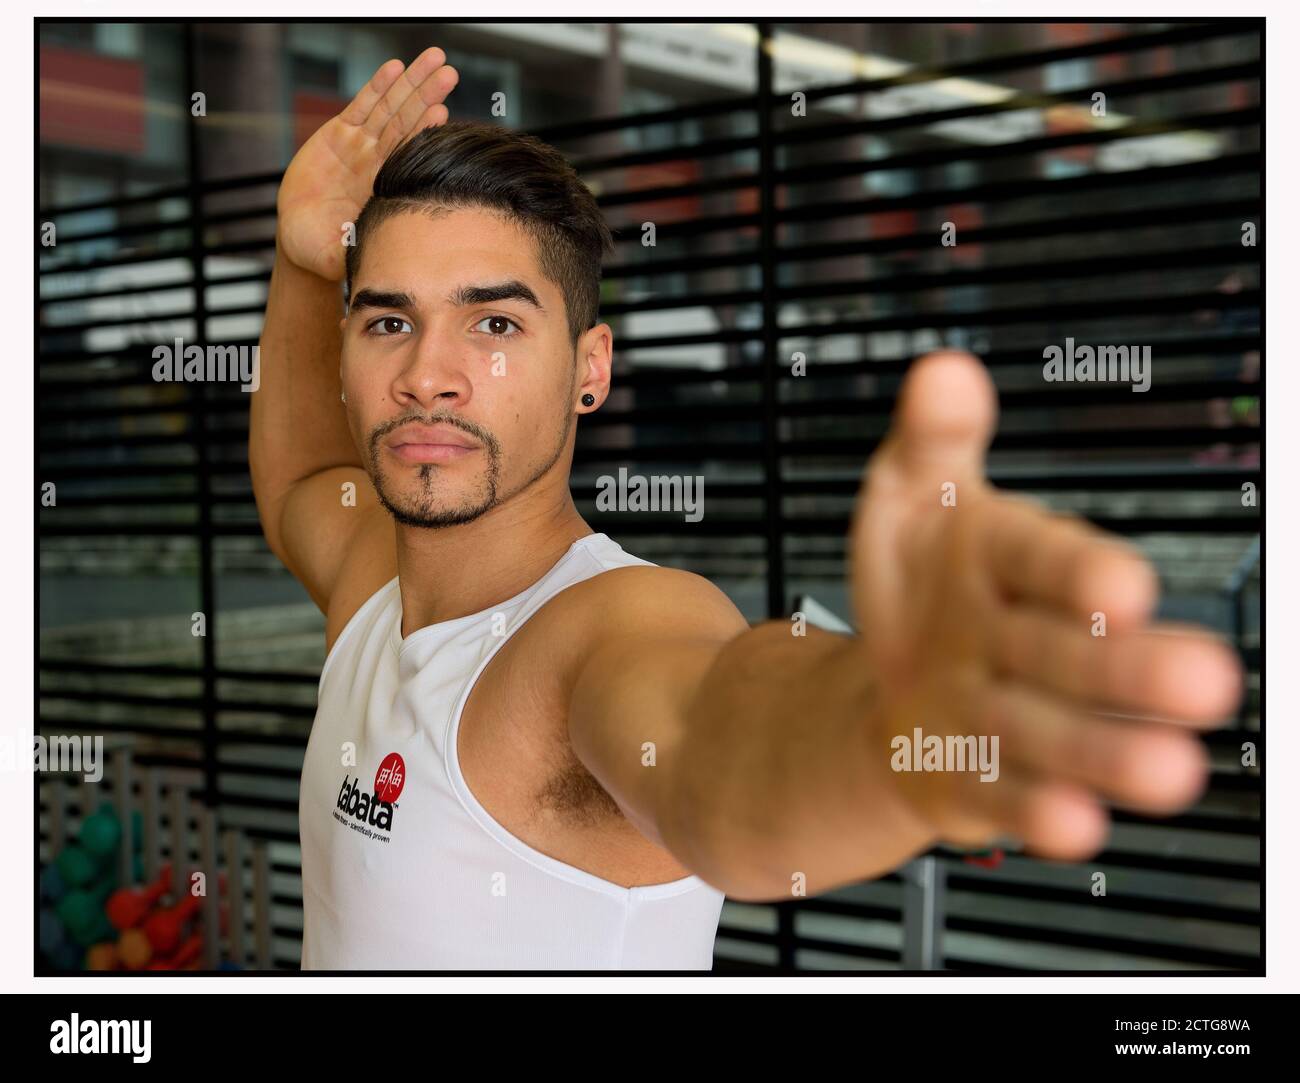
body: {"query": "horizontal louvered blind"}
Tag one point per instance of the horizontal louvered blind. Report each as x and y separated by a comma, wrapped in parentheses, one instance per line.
(799, 220)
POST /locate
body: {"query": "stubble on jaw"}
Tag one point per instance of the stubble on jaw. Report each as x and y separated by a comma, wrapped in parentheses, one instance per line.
(426, 514)
(422, 510)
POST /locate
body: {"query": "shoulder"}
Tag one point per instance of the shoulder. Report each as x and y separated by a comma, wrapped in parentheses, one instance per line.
(640, 601)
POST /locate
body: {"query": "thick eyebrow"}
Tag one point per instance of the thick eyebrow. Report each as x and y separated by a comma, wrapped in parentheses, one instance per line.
(463, 297)
(514, 290)
(382, 299)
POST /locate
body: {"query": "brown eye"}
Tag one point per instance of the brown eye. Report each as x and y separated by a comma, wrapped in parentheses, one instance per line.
(498, 326)
(388, 325)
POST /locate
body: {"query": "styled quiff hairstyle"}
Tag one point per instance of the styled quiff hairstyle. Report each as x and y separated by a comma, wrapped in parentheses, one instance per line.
(472, 164)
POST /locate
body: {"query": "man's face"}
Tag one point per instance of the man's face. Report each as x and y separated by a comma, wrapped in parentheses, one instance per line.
(454, 337)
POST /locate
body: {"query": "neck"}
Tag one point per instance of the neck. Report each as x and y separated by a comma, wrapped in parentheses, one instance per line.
(449, 572)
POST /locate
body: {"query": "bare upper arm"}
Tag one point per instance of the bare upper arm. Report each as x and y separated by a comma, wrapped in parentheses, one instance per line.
(337, 539)
(650, 636)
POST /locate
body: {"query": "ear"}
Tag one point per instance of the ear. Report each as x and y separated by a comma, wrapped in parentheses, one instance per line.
(594, 356)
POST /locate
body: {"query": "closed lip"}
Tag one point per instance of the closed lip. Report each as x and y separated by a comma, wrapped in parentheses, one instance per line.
(430, 435)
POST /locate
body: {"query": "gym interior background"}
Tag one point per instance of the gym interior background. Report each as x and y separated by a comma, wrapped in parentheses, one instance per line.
(778, 234)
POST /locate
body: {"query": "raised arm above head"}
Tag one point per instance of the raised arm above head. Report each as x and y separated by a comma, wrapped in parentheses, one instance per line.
(301, 454)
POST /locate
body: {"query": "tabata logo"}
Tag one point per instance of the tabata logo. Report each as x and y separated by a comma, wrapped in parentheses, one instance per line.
(390, 778)
(366, 807)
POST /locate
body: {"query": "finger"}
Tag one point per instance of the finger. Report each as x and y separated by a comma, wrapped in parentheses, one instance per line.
(433, 117)
(942, 424)
(360, 108)
(1143, 766)
(1059, 821)
(1062, 562)
(944, 419)
(402, 88)
(1177, 672)
(408, 119)
(1055, 819)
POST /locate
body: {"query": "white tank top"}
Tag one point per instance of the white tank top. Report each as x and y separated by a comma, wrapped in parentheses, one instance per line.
(402, 868)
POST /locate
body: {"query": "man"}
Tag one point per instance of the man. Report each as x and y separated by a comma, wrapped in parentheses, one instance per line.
(535, 750)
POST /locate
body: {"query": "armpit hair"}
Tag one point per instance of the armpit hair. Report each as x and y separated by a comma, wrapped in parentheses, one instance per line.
(573, 793)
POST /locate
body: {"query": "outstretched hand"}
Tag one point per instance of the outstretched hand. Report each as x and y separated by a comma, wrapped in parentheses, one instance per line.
(983, 613)
(331, 176)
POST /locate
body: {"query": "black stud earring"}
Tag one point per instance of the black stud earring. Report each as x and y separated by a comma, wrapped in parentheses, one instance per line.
(589, 399)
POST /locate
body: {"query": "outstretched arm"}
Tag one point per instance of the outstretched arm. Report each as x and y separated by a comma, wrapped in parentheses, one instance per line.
(781, 758)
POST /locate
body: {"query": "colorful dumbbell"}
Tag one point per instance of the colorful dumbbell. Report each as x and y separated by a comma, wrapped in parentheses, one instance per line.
(134, 949)
(101, 832)
(165, 928)
(102, 956)
(52, 885)
(52, 932)
(77, 866)
(82, 913)
(129, 906)
(186, 956)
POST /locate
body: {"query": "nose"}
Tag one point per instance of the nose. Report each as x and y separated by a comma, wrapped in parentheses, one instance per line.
(436, 373)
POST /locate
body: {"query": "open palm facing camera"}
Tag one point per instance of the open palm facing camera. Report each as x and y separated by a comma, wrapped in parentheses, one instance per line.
(982, 613)
(330, 178)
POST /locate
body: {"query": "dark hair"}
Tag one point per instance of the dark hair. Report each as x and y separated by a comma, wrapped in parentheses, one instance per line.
(469, 163)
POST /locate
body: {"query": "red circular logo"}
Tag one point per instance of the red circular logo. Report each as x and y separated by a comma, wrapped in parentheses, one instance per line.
(390, 778)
